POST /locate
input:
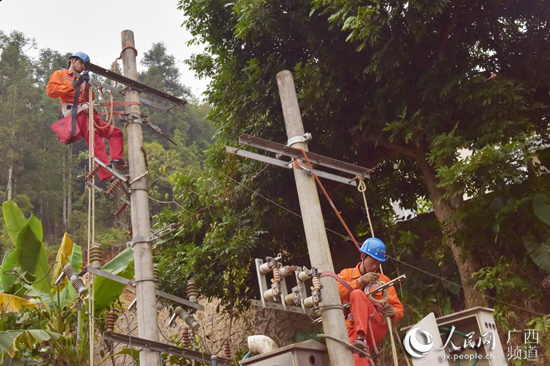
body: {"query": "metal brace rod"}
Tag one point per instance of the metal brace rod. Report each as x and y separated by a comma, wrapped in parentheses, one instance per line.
(164, 348)
(141, 99)
(297, 154)
(110, 170)
(133, 84)
(288, 165)
(127, 282)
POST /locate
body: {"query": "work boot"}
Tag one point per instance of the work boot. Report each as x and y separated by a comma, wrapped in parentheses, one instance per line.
(361, 344)
(119, 164)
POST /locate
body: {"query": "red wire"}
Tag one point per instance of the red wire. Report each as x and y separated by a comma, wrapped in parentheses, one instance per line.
(326, 194)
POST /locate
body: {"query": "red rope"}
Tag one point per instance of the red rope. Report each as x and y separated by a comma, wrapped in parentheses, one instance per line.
(326, 195)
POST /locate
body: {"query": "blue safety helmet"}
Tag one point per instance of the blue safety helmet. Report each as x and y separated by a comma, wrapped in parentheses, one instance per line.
(375, 248)
(81, 55)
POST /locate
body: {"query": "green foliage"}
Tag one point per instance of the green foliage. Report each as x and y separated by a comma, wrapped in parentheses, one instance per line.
(500, 279)
(28, 257)
(539, 252)
(106, 291)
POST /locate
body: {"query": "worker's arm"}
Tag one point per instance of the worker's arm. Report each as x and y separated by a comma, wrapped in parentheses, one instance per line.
(393, 300)
(60, 86)
(346, 275)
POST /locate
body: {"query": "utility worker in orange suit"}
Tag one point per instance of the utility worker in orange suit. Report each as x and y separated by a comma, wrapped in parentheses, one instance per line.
(62, 85)
(367, 324)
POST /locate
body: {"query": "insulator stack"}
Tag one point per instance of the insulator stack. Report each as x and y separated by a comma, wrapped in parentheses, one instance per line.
(91, 173)
(276, 275)
(187, 318)
(304, 276)
(309, 302)
(192, 291)
(111, 320)
(287, 270)
(265, 268)
(316, 283)
(186, 341)
(227, 349)
(114, 184)
(289, 299)
(156, 274)
(76, 281)
(95, 256)
(269, 295)
(119, 210)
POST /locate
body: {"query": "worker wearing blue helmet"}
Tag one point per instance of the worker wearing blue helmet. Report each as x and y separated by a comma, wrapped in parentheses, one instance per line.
(366, 319)
(73, 89)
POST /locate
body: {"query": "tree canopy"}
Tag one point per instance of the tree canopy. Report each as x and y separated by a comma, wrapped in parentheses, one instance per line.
(447, 101)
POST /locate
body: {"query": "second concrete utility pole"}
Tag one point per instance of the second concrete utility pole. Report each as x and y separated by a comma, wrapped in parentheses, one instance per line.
(314, 226)
(141, 226)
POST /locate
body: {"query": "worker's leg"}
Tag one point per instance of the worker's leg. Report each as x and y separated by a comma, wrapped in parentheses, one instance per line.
(99, 146)
(362, 308)
(113, 134)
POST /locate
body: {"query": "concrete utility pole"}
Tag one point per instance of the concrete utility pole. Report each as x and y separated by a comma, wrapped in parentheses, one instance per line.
(141, 227)
(316, 237)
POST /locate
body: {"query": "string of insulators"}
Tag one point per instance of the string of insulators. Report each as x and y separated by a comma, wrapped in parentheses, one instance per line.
(186, 341)
(114, 184)
(276, 275)
(95, 256)
(227, 349)
(76, 281)
(187, 318)
(156, 274)
(111, 320)
(192, 291)
(316, 283)
(119, 210)
(91, 173)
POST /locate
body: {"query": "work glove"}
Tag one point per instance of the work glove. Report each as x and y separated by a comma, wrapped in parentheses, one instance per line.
(387, 310)
(367, 279)
(85, 78)
(76, 82)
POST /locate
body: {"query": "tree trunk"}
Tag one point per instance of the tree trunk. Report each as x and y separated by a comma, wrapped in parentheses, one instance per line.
(9, 184)
(446, 212)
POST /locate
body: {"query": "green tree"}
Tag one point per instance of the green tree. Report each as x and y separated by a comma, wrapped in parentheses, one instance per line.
(399, 87)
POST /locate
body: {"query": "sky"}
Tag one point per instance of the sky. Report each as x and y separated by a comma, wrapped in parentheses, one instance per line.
(95, 27)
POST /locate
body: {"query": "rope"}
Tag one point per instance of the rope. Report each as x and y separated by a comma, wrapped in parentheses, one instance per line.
(362, 187)
(310, 171)
(91, 224)
(113, 84)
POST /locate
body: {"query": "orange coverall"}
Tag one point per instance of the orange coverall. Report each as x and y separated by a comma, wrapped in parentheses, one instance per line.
(60, 86)
(362, 308)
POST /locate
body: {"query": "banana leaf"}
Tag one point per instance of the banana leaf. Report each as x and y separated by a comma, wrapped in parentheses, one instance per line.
(9, 302)
(10, 340)
(106, 291)
(29, 257)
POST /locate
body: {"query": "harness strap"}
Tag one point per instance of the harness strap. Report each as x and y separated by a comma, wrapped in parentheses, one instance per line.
(377, 308)
(74, 113)
(338, 278)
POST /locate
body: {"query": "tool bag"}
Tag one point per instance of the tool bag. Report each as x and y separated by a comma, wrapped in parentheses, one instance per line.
(67, 128)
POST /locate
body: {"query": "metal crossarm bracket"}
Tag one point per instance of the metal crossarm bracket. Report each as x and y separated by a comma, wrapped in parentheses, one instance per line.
(128, 282)
(133, 84)
(165, 348)
(288, 165)
(297, 154)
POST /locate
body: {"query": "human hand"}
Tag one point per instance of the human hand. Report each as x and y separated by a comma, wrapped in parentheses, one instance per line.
(367, 279)
(85, 77)
(388, 311)
(76, 82)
